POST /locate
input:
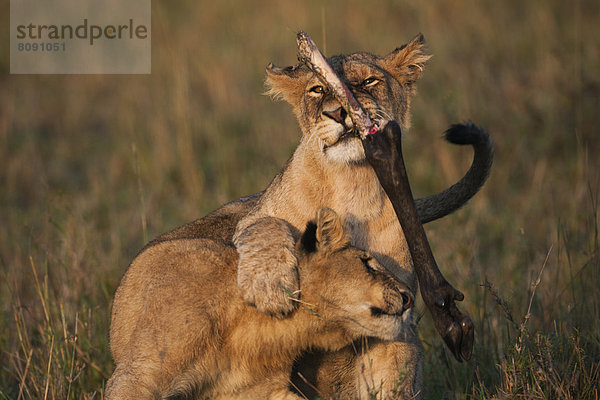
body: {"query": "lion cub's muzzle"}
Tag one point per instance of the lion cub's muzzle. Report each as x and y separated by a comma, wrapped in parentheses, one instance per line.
(397, 299)
(339, 115)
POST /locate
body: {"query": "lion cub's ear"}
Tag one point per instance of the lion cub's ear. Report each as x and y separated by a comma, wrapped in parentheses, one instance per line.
(326, 234)
(330, 234)
(286, 83)
(406, 63)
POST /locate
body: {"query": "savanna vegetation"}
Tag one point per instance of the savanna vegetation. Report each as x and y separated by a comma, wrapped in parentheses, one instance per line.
(92, 167)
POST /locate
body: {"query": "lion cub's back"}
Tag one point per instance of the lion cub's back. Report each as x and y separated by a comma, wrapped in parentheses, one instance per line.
(175, 286)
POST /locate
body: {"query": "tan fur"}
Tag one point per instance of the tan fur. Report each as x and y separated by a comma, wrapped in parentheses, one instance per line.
(328, 169)
(180, 326)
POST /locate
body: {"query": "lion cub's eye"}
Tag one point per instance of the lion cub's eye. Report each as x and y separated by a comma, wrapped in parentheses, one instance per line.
(370, 82)
(365, 260)
(317, 90)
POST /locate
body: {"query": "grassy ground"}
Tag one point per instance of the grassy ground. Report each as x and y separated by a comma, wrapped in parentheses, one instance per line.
(91, 167)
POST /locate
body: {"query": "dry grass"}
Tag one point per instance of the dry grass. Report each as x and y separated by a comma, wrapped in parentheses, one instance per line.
(93, 166)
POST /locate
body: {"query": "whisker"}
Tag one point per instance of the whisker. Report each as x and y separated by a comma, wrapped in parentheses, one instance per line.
(321, 143)
(384, 115)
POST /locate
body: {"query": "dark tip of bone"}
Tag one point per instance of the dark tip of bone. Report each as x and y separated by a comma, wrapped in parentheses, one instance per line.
(453, 339)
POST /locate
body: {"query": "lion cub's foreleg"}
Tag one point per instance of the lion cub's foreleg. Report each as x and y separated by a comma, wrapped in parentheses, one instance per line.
(267, 266)
(389, 370)
(133, 382)
(368, 369)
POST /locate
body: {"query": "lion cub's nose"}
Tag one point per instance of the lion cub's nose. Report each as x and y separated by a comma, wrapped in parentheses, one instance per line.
(338, 115)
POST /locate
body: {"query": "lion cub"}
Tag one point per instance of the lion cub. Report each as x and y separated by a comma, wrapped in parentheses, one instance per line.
(180, 327)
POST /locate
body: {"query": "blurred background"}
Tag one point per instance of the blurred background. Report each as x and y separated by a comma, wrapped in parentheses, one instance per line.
(92, 167)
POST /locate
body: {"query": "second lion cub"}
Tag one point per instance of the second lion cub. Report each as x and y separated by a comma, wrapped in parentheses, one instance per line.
(180, 328)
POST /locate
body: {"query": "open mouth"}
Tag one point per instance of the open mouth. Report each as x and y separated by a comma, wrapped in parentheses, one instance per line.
(348, 134)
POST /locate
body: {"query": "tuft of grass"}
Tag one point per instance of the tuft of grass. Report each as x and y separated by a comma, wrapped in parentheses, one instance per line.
(53, 357)
(549, 351)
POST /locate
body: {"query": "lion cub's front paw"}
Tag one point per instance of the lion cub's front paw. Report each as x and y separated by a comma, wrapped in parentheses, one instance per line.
(268, 279)
(267, 268)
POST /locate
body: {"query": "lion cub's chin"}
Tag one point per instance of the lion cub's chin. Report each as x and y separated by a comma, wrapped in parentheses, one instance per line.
(348, 151)
(395, 328)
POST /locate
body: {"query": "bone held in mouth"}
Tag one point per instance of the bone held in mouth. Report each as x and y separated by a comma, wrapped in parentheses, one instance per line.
(383, 150)
(309, 54)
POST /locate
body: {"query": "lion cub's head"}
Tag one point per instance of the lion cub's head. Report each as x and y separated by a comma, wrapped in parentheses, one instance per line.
(347, 286)
(383, 86)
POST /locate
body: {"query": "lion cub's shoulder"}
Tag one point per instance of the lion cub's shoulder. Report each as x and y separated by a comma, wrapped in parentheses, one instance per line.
(219, 224)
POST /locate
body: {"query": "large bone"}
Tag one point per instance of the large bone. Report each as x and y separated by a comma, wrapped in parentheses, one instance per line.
(383, 149)
(384, 152)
